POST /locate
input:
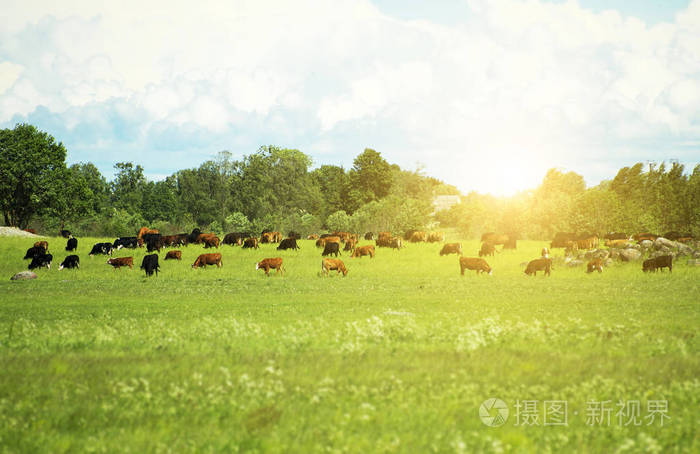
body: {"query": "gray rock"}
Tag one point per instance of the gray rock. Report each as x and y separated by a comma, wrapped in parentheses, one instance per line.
(661, 242)
(23, 275)
(629, 255)
(684, 250)
(608, 262)
(661, 253)
(614, 253)
(696, 254)
(694, 262)
(574, 263)
(646, 244)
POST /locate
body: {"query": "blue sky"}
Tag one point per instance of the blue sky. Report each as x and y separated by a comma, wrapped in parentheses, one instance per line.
(485, 95)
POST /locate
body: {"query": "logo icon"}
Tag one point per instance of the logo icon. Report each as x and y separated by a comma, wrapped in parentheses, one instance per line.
(493, 412)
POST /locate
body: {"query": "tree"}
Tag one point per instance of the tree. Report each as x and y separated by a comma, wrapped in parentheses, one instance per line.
(371, 176)
(32, 171)
(127, 187)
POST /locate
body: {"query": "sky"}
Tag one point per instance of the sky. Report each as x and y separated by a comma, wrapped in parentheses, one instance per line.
(486, 95)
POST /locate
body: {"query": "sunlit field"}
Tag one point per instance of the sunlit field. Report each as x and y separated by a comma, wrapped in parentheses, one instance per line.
(396, 357)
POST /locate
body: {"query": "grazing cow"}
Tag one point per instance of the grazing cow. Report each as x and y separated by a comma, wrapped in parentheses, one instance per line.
(545, 252)
(418, 237)
(293, 234)
(639, 237)
(363, 250)
(350, 244)
(595, 264)
(369, 236)
(664, 261)
(208, 259)
(436, 237)
(616, 236)
(192, 237)
(34, 251)
(145, 230)
(321, 242)
(173, 240)
(130, 242)
(487, 249)
(561, 239)
(331, 248)
(40, 261)
(313, 236)
(42, 244)
(511, 243)
(451, 248)
(288, 243)
(234, 239)
(117, 263)
(173, 255)
(589, 242)
(268, 237)
(328, 265)
(211, 241)
(153, 244)
(474, 263)
(71, 261)
(268, 264)
(71, 244)
(543, 264)
(250, 243)
(66, 234)
(150, 264)
(101, 248)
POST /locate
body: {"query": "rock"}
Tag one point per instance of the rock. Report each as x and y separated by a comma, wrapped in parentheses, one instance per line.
(662, 242)
(696, 255)
(608, 262)
(614, 253)
(597, 254)
(23, 275)
(646, 244)
(661, 253)
(694, 262)
(575, 263)
(629, 255)
(684, 250)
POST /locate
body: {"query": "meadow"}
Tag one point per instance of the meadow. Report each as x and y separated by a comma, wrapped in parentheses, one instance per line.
(396, 357)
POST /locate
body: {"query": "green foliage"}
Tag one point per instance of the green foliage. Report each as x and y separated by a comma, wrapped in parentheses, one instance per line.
(338, 222)
(371, 176)
(237, 222)
(32, 174)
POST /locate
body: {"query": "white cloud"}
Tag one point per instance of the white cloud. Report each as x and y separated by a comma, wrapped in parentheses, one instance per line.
(550, 81)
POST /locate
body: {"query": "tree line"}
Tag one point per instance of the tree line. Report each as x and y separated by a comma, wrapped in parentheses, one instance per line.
(278, 188)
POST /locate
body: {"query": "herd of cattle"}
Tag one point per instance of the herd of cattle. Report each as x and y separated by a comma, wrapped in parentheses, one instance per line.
(330, 244)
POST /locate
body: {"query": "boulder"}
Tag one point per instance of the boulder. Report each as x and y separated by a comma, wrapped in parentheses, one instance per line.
(662, 242)
(574, 263)
(696, 255)
(684, 250)
(629, 255)
(646, 244)
(597, 254)
(608, 262)
(661, 253)
(23, 275)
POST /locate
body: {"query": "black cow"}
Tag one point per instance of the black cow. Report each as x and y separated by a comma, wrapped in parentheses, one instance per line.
(294, 235)
(561, 239)
(126, 241)
(40, 261)
(72, 244)
(369, 236)
(233, 238)
(72, 261)
(192, 237)
(331, 248)
(34, 251)
(288, 243)
(658, 263)
(102, 248)
(154, 245)
(150, 264)
(250, 243)
(66, 234)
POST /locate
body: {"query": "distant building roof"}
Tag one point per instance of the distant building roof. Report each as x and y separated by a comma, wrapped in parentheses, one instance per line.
(444, 202)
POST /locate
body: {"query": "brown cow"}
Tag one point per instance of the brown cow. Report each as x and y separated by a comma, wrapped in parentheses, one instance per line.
(350, 244)
(595, 264)
(487, 249)
(203, 236)
(363, 250)
(321, 242)
(451, 248)
(211, 241)
(117, 263)
(145, 230)
(639, 237)
(268, 264)
(42, 244)
(474, 263)
(418, 237)
(208, 259)
(436, 237)
(250, 243)
(543, 264)
(333, 264)
(545, 252)
(174, 255)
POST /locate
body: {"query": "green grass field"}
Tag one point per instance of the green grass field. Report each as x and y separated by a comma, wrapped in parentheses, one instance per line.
(396, 357)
